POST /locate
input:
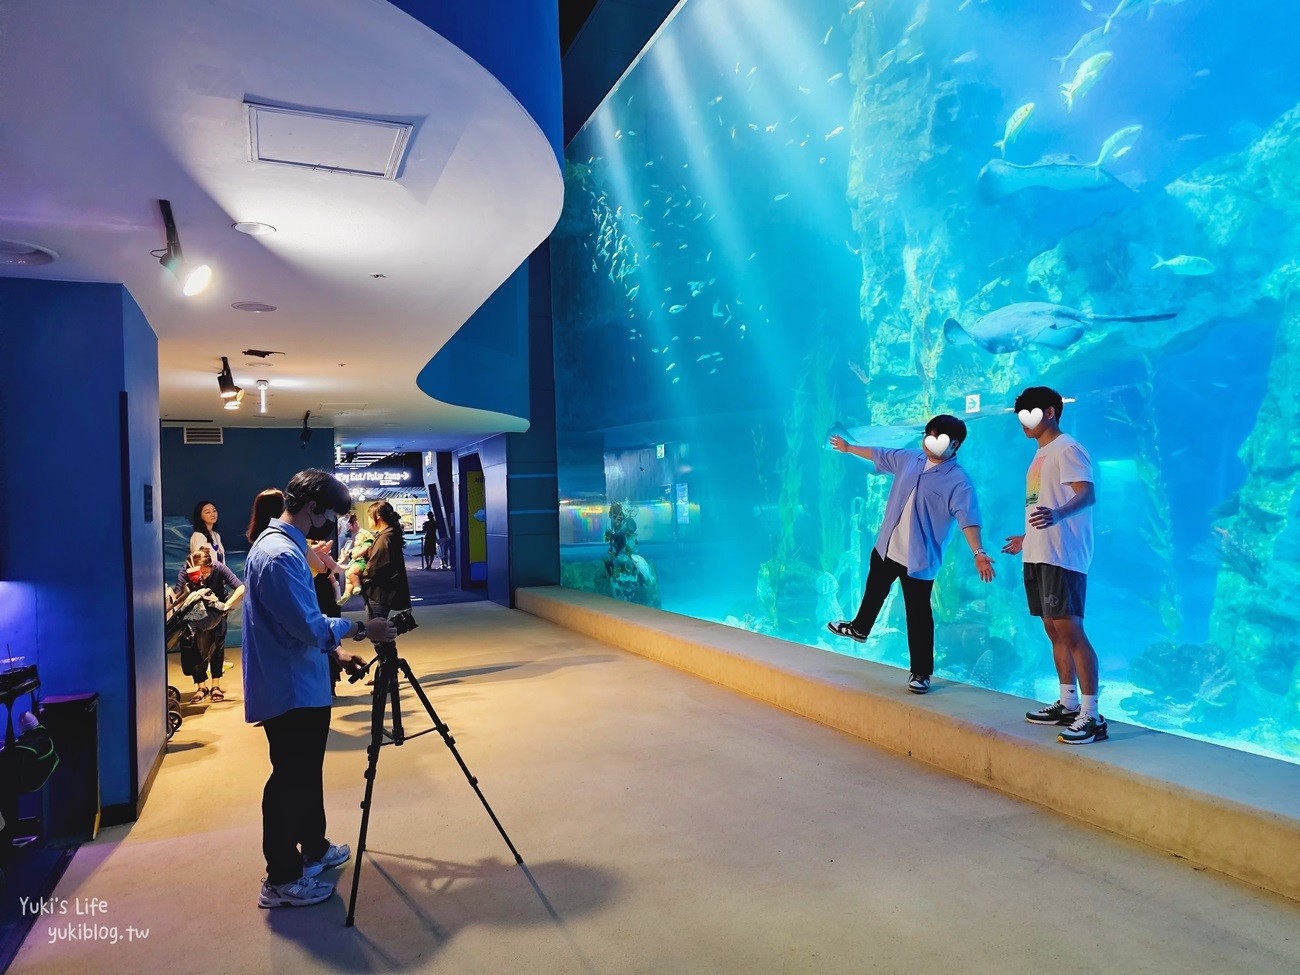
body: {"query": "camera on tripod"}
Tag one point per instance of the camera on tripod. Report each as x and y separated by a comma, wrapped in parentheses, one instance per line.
(403, 622)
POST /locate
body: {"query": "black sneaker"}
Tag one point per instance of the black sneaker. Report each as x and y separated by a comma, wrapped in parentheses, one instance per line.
(918, 685)
(1056, 713)
(1085, 730)
(845, 628)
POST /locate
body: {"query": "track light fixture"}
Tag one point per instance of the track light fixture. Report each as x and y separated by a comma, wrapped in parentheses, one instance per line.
(234, 401)
(193, 278)
(226, 382)
(306, 430)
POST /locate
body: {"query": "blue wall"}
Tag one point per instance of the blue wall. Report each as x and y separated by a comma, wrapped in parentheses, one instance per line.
(532, 490)
(518, 41)
(70, 351)
(233, 473)
(140, 348)
(484, 366)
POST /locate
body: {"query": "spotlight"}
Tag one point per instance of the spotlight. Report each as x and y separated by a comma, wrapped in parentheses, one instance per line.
(234, 401)
(349, 456)
(306, 430)
(225, 381)
(193, 278)
(262, 385)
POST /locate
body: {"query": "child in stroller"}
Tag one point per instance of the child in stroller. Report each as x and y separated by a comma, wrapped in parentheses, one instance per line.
(205, 592)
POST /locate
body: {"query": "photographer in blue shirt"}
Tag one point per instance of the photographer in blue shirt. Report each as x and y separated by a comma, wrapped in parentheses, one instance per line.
(930, 492)
(287, 645)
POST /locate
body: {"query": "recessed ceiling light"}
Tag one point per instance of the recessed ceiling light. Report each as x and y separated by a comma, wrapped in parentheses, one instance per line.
(254, 229)
(253, 306)
(16, 253)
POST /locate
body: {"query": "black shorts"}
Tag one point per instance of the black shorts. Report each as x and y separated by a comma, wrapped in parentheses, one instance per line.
(1054, 593)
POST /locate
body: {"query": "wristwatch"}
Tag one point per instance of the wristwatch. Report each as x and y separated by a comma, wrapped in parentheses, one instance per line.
(359, 633)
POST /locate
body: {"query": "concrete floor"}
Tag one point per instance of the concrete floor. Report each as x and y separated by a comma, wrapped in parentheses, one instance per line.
(668, 826)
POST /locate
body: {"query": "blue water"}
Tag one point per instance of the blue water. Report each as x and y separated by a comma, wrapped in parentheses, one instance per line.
(768, 223)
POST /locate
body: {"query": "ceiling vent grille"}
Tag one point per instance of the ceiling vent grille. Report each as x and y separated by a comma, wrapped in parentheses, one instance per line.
(204, 435)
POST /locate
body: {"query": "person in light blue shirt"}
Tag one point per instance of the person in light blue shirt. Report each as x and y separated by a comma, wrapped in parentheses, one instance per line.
(930, 493)
(287, 687)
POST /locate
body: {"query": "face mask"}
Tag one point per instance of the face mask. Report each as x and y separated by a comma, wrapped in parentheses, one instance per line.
(324, 532)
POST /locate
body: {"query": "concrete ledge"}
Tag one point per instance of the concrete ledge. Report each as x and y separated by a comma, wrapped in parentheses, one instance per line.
(1235, 812)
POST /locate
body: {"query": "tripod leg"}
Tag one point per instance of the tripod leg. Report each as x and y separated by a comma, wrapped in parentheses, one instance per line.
(451, 745)
(383, 678)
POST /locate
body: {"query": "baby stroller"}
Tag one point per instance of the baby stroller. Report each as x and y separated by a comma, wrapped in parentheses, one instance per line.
(192, 624)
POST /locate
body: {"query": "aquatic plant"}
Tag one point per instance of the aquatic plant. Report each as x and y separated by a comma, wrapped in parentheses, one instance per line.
(830, 466)
(1157, 529)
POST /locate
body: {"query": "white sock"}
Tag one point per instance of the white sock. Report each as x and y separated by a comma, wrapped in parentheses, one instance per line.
(1088, 705)
(1070, 697)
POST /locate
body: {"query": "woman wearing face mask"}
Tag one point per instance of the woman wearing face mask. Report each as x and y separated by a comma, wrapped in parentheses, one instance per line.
(383, 581)
(930, 492)
(204, 534)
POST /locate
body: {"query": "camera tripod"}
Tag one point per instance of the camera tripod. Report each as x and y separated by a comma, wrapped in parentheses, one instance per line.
(392, 669)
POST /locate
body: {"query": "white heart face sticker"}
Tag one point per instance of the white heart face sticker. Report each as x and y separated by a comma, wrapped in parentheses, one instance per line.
(1030, 418)
(938, 445)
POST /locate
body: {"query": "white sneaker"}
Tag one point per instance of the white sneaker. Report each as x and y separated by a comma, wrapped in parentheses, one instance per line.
(331, 858)
(302, 892)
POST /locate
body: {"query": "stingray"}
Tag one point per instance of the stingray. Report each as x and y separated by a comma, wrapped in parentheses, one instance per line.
(1001, 178)
(1014, 327)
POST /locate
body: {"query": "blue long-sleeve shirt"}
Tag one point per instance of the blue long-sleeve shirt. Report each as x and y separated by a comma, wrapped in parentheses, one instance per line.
(944, 494)
(286, 636)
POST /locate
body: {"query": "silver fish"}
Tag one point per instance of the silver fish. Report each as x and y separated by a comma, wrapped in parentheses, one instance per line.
(1118, 144)
(1088, 74)
(676, 309)
(1093, 42)
(1013, 327)
(1185, 265)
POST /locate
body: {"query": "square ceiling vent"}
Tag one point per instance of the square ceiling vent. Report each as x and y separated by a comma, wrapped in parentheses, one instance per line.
(331, 143)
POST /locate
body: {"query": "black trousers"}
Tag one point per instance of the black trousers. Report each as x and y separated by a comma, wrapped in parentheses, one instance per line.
(916, 599)
(293, 802)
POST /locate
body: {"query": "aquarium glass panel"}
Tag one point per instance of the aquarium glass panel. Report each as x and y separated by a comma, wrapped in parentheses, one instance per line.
(791, 221)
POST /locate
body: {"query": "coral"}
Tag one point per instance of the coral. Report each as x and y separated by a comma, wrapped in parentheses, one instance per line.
(631, 577)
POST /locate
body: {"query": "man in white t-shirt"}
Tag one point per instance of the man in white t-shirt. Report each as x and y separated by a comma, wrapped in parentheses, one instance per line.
(1057, 551)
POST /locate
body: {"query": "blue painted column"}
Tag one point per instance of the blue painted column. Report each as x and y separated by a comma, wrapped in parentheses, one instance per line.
(80, 561)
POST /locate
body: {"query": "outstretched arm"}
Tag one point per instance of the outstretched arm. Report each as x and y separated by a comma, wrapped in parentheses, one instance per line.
(844, 447)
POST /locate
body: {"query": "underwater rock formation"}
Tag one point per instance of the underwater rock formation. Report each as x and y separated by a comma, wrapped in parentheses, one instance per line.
(631, 577)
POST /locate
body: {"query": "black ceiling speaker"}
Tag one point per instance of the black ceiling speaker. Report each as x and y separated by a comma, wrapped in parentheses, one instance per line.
(306, 430)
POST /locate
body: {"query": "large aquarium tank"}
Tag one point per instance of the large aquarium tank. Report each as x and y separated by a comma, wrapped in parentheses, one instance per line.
(794, 218)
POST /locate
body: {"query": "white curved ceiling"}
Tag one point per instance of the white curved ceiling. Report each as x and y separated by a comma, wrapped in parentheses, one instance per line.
(106, 108)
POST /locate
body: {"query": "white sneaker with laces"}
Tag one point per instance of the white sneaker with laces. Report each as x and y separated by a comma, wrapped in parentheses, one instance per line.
(302, 892)
(331, 858)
